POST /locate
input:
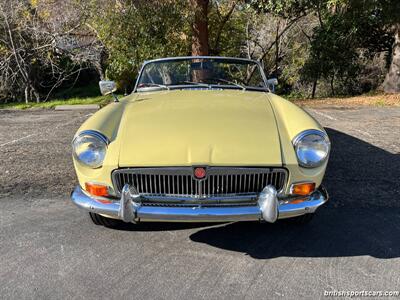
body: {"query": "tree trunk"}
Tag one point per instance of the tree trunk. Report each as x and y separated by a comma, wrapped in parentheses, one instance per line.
(36, 94)
(314, 88)
(332, 85)
(392, 79)
(26, 94)
(277, 37)
(200, 28)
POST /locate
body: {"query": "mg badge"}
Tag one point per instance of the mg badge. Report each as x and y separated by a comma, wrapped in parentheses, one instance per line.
(200, 173)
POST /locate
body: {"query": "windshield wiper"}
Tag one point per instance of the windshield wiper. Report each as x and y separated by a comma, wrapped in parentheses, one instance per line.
(150, 84)
(197, 83)
(230, 82)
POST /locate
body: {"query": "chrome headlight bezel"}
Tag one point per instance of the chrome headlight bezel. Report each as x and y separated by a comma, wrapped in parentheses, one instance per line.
(101, 146)
(297, 143)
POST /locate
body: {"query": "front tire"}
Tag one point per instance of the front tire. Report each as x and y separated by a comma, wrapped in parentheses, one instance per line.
(103, 221)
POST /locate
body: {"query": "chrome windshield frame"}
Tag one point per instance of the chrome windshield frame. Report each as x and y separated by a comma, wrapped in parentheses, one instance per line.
(135, 90)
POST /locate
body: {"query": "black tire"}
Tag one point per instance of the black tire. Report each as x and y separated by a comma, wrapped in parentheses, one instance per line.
(106, 222)
(302, 220)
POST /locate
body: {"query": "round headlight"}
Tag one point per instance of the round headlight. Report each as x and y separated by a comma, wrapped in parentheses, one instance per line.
(312, 148)
(89, 148)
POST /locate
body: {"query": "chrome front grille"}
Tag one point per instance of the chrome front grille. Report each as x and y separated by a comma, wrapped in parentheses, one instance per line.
(179, 182)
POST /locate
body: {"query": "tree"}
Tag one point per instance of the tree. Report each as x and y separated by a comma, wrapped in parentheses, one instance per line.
(279, 19)
(44, 45)
(35, 59)
(392, 79)
(200, 27)
(391, 16)
(349, 32)
(333, 54)
(378, 24)
(17, 63)
(226, 25)
(266, 29)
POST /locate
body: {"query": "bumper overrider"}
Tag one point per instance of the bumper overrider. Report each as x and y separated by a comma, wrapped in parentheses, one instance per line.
(269, 207)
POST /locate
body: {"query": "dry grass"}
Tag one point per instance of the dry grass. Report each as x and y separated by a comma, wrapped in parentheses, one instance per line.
(364, 100)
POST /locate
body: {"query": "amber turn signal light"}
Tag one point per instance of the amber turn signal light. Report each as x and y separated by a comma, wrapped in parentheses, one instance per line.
(96, 189)
(303, 189)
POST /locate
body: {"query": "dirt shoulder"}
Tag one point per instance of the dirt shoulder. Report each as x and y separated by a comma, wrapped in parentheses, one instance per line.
(375, 100)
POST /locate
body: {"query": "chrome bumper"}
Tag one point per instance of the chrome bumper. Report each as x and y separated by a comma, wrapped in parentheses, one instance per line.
(269, 208)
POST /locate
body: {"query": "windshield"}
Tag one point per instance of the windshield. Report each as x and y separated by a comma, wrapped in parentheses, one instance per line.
(180, 73)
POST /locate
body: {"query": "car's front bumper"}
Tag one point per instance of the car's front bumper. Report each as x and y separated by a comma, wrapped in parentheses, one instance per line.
(130, 210)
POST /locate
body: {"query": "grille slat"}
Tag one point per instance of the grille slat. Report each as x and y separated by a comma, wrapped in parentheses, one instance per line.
(179, 182)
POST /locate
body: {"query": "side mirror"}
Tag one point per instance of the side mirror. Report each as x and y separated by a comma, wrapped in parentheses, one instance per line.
(107, 87)
(272, 83)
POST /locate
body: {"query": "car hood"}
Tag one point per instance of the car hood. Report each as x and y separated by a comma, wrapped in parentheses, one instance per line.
(199, 127)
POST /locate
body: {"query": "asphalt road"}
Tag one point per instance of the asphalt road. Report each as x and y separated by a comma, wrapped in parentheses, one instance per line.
(50, 250)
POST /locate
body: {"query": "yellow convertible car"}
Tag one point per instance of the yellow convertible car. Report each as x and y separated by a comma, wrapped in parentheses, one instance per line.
(200, 139)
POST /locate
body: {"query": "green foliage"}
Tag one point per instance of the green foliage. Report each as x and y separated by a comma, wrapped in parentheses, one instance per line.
(333, 52)
(227, 30)
(282, 8)
(385, 10)
(332, 43)
(138, 32)
(352, 32)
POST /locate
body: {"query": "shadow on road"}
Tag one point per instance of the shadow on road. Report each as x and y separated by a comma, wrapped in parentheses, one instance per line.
(362, 218)
(160, 226)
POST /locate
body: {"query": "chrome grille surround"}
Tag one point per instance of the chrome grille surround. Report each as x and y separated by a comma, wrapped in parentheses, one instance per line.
(228, 185)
